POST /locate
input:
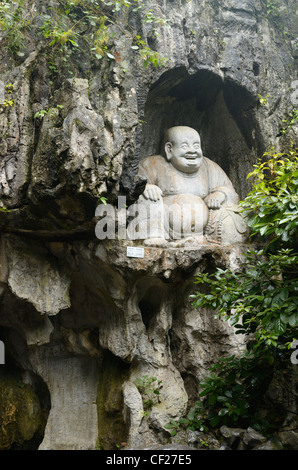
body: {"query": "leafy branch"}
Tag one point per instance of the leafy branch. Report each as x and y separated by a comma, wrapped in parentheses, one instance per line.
(260, 301)
(290, 121)
(14, 24)
(51, 112)
(97, 17)
(149, 388)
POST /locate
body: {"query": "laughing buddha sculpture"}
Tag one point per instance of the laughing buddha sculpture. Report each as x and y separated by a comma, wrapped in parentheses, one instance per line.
(188, 198)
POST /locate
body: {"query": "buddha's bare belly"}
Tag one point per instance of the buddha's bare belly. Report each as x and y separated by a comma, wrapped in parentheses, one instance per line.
(187, 215)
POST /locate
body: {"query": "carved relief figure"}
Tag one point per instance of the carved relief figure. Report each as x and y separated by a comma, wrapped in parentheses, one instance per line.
(188, 198)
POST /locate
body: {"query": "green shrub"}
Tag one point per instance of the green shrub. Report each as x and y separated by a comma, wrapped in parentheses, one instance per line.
(259, 300)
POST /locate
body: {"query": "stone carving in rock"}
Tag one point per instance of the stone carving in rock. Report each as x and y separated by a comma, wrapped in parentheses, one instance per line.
(188, 198)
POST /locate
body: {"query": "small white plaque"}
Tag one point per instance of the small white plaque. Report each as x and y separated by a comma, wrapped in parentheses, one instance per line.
(135, 252)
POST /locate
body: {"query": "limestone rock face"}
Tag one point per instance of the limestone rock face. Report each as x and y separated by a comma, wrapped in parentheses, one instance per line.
(77, 313)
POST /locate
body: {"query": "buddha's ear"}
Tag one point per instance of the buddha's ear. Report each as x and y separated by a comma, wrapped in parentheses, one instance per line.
(168, 150)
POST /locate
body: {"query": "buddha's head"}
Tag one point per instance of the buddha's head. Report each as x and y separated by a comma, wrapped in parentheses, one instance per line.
(183, 148)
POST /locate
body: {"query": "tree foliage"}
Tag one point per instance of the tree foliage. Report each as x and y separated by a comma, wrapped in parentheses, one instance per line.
(272, 204)
(260, 300)
(82, 26)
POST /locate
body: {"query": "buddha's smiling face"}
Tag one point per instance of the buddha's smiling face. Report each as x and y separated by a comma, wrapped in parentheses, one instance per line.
(184, 149)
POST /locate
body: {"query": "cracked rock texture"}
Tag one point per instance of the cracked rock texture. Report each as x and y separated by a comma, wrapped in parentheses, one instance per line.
(81, 321)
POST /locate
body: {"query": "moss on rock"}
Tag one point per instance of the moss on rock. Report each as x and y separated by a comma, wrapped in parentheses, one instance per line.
(112, 430)
(21, 417)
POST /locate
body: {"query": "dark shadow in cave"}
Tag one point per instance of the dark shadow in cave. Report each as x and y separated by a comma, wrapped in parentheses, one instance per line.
(150, 305)
(112, 429)
(15, 369)
(152, 295)
(222, 111)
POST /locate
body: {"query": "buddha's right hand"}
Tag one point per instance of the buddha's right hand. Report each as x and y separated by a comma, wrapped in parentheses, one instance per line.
(152, 192)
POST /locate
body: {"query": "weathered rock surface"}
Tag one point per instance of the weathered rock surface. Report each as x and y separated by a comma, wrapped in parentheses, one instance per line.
(139, 310)
(76, 312)
(21, 414)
